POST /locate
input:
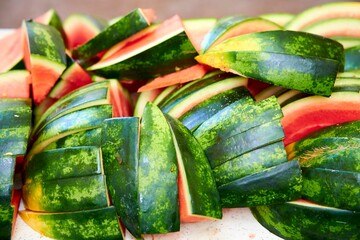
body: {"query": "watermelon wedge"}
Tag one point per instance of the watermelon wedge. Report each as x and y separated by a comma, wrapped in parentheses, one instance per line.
(44, 56)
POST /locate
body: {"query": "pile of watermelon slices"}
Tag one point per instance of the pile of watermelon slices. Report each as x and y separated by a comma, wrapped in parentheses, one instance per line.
(135, 126)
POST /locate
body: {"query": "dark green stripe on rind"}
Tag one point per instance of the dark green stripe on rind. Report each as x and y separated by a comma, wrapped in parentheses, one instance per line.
(85, 119)
(250, 163)
(171, 55)
(204, 110)
(196, 173)
(15, 118)
(82, 138)
(237, 118)
(7, 169)
(95, 224)
(64, 163)
(68, 194)
(241, 143)
(120, 148)
(6, 218)
(126, 26)
(312, 75)
(14, 141)
(286, 42)
(14, 103)
(73, 100)
(352, 58)
(277, 184)
(300, 221)
(6, 193)
(333, 188)
(45, 40)
(91, 98)
(158, 174)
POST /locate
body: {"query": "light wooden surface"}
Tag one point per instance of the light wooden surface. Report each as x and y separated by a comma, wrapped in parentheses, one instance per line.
(12, 12)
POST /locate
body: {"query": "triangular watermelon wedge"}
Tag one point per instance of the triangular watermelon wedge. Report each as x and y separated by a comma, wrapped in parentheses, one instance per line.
(44, 57)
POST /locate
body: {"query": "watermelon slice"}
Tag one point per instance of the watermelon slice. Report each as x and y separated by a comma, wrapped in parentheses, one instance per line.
(44, 57)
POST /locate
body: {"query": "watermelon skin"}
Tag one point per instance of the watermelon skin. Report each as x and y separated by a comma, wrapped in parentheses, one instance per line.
(332, 137)
(67, 194)
(78, 121)
(236, 145)
(96, 224)
(189, 102)
(199, 197)
(259, 65)
(52, 18)
(313, 68)
(250, 163)
(331, 187)
(204, 110)
(126, 26)
(15, 122)
(352, 58)
(44, 56)
(234, 26)
(120, 149)
(7, 209)
(80, 28)
(15, 125)
(167, 50)
(330, 164)
(181, 92)
(49, 165)
(82, 138)
(285, 42)
(67, 102)
(95, 96)
(158, 197)
(273, 185)
(237, 118)
(304, 220)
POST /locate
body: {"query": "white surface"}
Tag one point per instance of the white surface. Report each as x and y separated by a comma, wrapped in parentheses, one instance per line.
(236, 223)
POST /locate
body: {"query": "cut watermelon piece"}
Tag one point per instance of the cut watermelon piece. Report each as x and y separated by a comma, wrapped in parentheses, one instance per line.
(155, 51)
(44, 57)
(198, 195)
(10, 52)
(15, 79)
(72, 78)
(309, 114)
(197, 28)
(80, 28)
(234, 26)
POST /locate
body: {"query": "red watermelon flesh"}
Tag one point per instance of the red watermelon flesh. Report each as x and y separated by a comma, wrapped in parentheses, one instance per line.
(15, 84)
(309, 114)
(10, 51)
(73, 77)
